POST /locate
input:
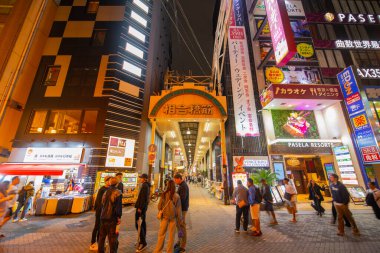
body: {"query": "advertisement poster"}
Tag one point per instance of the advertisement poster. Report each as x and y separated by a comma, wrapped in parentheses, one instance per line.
(357, 193)
(290, 124)
(283, 43)
(305, 52)
(292, 75)
(299, 28)
(239, 176)
(293, 7)
(53, 155)
(345, 165)
(364, 135)
(241, 162)
(120, 152)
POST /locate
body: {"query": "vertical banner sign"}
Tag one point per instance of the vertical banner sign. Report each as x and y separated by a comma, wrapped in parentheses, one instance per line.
(242, 87)
(283, 43)
(365, 137)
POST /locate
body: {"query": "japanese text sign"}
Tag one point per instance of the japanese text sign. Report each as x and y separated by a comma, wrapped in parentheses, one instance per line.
(284, 46)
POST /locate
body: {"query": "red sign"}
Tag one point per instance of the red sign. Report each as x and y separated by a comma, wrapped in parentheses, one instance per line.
(281, 32)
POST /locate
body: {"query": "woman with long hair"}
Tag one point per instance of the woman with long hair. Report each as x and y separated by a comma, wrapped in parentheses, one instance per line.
(315, 194)
(169, 213)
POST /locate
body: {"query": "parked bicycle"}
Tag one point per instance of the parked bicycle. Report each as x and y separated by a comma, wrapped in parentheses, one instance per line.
(157, 193)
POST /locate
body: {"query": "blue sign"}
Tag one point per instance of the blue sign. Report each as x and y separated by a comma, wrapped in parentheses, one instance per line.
(350, 90)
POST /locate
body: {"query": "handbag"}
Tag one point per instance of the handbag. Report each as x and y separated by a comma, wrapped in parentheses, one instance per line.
(242, 204)
(160, 213)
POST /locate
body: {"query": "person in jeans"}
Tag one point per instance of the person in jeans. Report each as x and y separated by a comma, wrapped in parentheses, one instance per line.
(110, 217)
(24, 200)
(341, 199)
(170, 206)
(240, 197)
(254, 203)
(268, 201)
(12, 191)
(315, 194)
(98, 210)
(141, 208)
(183, 192)
(292, 193)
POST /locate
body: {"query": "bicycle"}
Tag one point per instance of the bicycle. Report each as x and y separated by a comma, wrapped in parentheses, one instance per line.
(157, 193)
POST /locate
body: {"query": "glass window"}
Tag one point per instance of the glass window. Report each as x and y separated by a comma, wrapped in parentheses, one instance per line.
(136, 34)
(134, 50)
(92, 6)
(98, 37)
(89, 122)
(63, 122)
(139, 19)
(51, 76)
(132, 68)
(141, 5)
(38, 122)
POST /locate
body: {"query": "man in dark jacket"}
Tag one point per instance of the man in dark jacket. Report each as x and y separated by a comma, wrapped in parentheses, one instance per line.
(24, 200)
(341, 199)
(120, 185)
(141, 208)
(183, 192)
(110, 217)
(98, 210)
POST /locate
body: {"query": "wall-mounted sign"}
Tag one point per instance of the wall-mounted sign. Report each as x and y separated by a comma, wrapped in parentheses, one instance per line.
(265, 47)
(299, 28)
(293, 7)
(365, 138)
(243, 177)
(195, 109)
(246, 123)
(251, 161)
(343, 18)
(345, 165)
(300, 147)
(53, 155)
(292, 75)
(120, 152)
(299, 91)
(357, 44)
(284, 46)
(372, 92)
(364, 73)
(294, 124)
(305, 50)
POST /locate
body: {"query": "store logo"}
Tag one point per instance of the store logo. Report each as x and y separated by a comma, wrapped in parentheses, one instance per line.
(329, 17)
(348, 83)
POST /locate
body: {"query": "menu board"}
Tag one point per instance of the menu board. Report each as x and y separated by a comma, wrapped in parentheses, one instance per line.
(120, 152)
(345, 165)
(357, 194)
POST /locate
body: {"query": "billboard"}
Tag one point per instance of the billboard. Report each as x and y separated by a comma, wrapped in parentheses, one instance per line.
(294, 8)
(284, 46)
(120, 152)
(53, 155)
(364, 136)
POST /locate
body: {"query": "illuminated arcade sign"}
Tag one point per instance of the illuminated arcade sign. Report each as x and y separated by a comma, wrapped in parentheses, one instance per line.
(357, 44)
(284, 46)
(343, 18)
(182, 109)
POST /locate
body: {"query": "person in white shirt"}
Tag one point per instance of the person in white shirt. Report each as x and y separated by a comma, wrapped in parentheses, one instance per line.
(291, 198)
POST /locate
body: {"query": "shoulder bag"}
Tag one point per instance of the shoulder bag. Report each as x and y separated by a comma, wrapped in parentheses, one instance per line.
(160, 213)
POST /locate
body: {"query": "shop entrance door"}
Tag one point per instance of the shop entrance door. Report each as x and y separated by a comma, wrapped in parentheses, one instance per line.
(299, 181)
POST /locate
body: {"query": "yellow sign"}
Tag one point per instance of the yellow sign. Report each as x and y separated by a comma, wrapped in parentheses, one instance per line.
(173, 109)
(274, 75)
(266, 29)
(360, 121)
(305, 50)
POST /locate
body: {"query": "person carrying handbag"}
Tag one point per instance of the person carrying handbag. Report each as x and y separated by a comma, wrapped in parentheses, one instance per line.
(290, 197)
(170, 216)
(240, 198)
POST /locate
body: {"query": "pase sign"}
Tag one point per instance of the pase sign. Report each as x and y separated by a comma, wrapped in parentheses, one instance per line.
(349, 18)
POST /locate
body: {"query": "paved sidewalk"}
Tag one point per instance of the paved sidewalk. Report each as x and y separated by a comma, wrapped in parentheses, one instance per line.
(211, 229)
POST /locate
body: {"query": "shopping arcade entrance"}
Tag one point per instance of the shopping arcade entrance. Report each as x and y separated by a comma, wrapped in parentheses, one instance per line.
(188, 118)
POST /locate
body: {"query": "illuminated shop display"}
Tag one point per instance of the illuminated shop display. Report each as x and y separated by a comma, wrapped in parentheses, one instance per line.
(345, 165)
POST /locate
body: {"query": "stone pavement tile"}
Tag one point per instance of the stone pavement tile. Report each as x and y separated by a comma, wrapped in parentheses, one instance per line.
(210, 229)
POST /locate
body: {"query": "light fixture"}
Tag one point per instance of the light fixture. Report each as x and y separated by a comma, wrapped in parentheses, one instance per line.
(172, 134)
(307, 106)
(207, 127)
(189, 144)
(188, 131)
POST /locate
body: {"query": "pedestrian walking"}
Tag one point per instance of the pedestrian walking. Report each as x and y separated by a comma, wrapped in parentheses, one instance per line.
(268, 201)
(4, 198)
(240, 198)
(98, 210)
(373, 198)
(184, 194)
(141, 208)
(12, 191)
(254, 200)
(170, 215)
(25, 196)
(316, 196)
(110, 217)
(341, 199)
(290, 198)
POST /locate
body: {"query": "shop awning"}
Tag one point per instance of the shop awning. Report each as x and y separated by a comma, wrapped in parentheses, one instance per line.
(35, 169)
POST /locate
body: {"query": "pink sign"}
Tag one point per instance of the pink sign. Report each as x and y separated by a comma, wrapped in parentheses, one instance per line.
(281, 32)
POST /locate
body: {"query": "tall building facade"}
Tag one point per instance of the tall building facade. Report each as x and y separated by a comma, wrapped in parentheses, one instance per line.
(101, 60)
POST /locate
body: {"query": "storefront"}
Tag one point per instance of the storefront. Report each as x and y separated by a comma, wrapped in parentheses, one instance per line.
(304, 124)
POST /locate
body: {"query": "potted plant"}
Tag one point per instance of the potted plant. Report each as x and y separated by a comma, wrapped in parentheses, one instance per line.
(266, 174)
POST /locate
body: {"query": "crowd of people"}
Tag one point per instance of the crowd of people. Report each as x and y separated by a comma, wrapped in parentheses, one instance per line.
(251, 199)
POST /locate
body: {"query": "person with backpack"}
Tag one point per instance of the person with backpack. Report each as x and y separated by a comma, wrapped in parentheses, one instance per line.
(254, 200)
(170, 215)
(24, 200)
(110, 217)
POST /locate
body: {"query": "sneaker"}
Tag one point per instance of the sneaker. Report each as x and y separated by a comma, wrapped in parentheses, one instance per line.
(94, 247)
(14, 220)
(237, 231)
(23, 219)
(245, 231)
(142, 247)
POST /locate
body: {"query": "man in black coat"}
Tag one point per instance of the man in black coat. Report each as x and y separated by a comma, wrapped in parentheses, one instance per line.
(141, 208)
(183, 192)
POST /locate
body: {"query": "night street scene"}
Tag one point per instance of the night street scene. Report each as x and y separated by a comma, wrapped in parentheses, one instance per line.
(200, 126)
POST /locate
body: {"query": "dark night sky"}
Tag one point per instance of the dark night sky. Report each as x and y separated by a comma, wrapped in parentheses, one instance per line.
(200, 16)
